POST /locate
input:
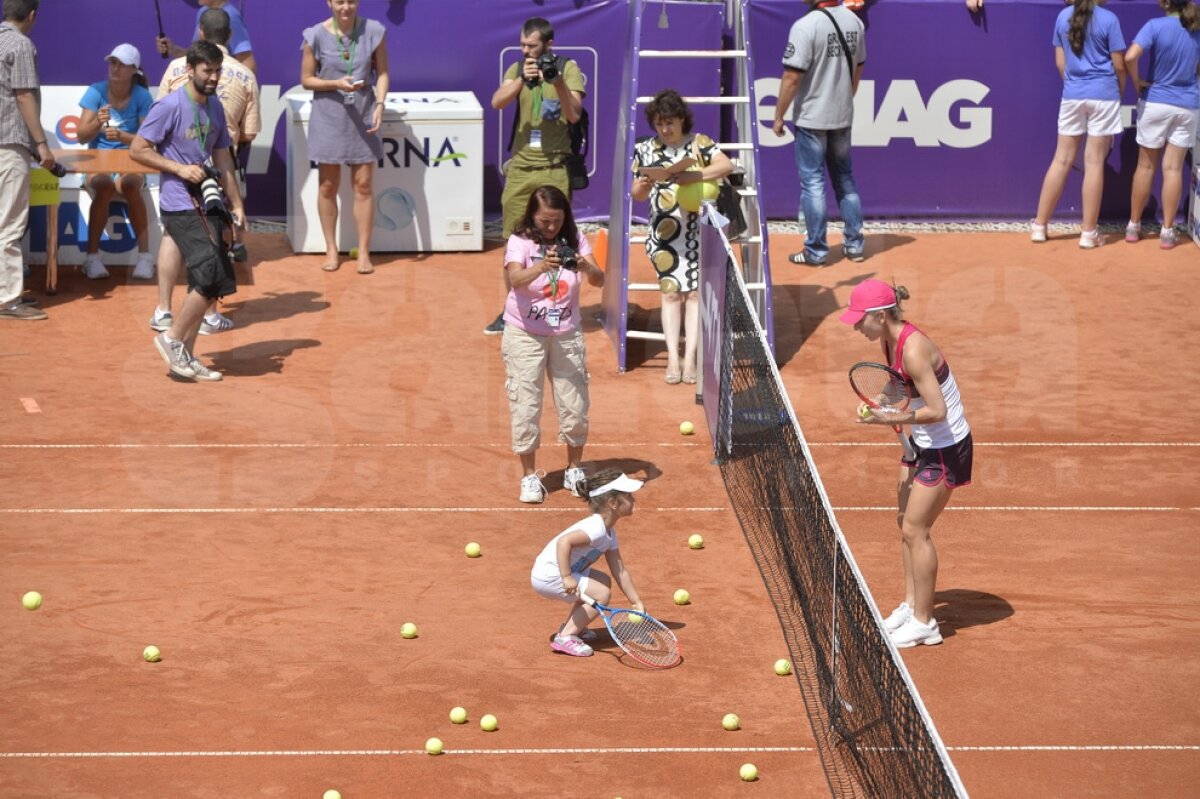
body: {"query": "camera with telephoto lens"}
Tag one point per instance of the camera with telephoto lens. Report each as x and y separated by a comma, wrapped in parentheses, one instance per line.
(566, 254)
(547, 65)
(208, 192)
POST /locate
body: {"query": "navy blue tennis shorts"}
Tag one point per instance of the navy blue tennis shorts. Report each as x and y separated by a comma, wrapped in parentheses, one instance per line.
(952, 464)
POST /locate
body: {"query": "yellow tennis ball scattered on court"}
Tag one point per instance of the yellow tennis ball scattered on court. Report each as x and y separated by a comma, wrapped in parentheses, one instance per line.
(353, 252)
(32, 600)
(473, 550)
(151, 654)
(408, 630)
(731, 722)
(434, 746)
(489, 723)
(332, 794)
(748, 772)
(682, 597)
(864, 411)
(783, 667)
(458, 715)
(696, 541)
(686, 428)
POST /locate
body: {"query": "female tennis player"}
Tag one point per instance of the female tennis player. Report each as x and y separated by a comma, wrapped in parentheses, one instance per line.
(1167, 115)
(941, 438)
(1089, 54)
(564, 570)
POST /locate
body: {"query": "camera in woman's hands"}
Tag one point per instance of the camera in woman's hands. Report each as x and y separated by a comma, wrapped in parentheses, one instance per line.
(567, 255)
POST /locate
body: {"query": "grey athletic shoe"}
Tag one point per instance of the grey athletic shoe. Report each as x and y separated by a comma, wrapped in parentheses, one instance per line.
(161, 322)
(176, 354)
(202, 374)
(20, 310)
(496, 327)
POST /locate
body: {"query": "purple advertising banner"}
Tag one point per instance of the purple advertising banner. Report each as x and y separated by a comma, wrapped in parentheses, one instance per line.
(955, 116)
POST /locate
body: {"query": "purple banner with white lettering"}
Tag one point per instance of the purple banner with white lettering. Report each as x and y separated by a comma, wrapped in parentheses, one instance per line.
(956, 115)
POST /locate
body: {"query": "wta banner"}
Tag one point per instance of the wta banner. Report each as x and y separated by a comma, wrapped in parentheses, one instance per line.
(962, 126)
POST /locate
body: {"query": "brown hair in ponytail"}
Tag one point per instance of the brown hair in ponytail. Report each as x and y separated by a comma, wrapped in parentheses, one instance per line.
(1189, 15)
(896, 312)
(1080, 19)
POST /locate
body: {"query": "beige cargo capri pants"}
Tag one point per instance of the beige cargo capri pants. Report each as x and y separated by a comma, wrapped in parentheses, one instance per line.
(527, 359)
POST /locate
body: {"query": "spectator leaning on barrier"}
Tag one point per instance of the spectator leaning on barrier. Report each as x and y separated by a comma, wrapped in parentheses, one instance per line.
(185, 136)
(21, 134)
(549, 99)
(1167, 110)
(111, 112)
(239, 96)
(342, 57)
(823, 62)
(239, 41)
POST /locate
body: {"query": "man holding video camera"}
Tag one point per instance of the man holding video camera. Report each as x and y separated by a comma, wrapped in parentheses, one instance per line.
(549, 92)
(186, 138)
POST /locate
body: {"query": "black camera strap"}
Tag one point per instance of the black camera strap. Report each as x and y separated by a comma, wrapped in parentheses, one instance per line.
(842, 41)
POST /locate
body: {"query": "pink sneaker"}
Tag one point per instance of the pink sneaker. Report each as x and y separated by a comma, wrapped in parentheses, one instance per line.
(571, 645)
(1166, 239)
(1133, 232)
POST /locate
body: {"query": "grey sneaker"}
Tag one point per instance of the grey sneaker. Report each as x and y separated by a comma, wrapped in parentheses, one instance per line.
(176, 354)
(161, 322)
(219, 324)
(202, 373)
(496, 327)
(20, 310)
(572, 479)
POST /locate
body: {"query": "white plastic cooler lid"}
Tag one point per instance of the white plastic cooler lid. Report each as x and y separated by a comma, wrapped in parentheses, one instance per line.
(407, 105)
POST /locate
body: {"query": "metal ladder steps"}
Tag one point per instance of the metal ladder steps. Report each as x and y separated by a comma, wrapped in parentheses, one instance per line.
(706, 100)
(692, 53)
(738, 240)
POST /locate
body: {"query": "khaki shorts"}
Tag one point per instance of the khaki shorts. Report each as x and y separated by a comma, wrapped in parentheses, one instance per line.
(527, 360)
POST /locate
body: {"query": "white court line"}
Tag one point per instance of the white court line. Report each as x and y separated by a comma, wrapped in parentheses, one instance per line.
(624, 750)
(591, 445)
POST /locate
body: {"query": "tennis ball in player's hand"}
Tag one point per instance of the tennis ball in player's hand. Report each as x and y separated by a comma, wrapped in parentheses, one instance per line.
(687, 428)
(748, 772)
(864, 411)
(489, 723)
(332, 794)
(458, 715)
(408, 630)
(783, 667)
(473, 550)
(696, 541)
(32, 600)
(731, 722)
(151, 654)
(682, 597)
(353, 252)
(434, 746)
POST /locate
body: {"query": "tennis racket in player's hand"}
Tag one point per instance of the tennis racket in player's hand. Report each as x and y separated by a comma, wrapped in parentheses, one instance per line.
(884, 390)
(643, 637)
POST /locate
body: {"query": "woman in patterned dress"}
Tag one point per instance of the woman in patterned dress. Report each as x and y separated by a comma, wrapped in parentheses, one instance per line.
(673, 242)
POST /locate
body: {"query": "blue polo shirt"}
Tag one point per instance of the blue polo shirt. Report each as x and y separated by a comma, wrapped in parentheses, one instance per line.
(1174, 52)
(1090, 75)
(239, 37)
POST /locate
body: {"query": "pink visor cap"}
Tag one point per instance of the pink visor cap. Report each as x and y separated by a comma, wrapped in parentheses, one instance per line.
(868, 296)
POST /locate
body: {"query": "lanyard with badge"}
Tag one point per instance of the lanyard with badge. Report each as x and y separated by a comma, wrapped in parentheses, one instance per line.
(347, 53)
(535, 131)
(553, 315)
(202, 128)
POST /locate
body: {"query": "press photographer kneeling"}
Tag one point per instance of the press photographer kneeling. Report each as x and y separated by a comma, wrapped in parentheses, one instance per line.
(185, 137)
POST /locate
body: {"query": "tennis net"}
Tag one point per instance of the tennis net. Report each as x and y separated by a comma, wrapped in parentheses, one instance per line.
(874, 735)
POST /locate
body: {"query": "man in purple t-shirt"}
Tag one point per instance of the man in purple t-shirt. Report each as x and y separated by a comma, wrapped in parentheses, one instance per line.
(184, 132)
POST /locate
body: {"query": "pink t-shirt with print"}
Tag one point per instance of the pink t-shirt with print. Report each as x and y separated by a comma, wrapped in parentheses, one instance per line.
(532, 308)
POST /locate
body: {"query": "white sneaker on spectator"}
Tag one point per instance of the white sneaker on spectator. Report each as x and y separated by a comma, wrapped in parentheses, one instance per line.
(532, 490)
(572, 478)
(93, 267)
(1090, 239)
(1037, 233)
(896, 620)
(144, 268)
(913, 632)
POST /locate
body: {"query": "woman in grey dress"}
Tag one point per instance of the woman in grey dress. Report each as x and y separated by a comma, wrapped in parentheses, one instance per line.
(341, 55)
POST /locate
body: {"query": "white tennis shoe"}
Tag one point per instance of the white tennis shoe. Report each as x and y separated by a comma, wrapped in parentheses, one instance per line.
(532, 490)
(913, 632)
(896, 620)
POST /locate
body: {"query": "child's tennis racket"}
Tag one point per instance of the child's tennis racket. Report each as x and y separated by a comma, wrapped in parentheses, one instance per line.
(885, 390)
(644, 638)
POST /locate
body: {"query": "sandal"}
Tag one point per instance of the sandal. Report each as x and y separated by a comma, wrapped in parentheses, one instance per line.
(332, 266)
(365, 269)
(689, 378)
(801, 259)
(671, 378)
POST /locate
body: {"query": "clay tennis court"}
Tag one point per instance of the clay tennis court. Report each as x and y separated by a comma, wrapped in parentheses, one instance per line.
(270, 534)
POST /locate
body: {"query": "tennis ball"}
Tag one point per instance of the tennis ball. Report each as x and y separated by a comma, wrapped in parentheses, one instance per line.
(408, 630)
(864, 411)
(748, 772)
(696, 541)
(489, 723)
(458, 715)
(686, 428)
(32, 600)
(151, 654)
(682, 597)
(434, 746)
(473, 550)
(332, 794)
(731, 722)
(353, 252)
(690, 195)
(783, 667)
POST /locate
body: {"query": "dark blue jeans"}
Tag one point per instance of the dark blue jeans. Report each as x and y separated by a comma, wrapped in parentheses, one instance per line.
(816, 149)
